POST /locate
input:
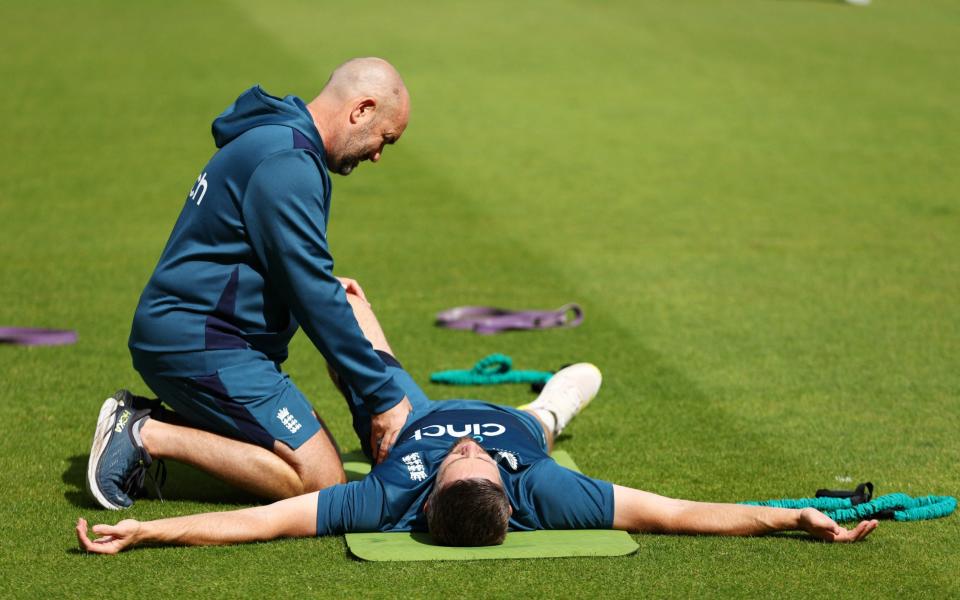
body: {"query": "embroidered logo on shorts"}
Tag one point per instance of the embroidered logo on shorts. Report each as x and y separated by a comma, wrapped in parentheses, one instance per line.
(415, 466)
(288, 420)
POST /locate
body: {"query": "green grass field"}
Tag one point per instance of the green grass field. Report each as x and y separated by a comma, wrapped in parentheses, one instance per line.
(756, 203)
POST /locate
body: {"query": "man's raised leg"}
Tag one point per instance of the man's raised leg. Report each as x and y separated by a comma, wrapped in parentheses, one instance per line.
(563, 397)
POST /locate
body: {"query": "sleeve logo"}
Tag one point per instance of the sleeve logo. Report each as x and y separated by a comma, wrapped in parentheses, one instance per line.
(414, 463)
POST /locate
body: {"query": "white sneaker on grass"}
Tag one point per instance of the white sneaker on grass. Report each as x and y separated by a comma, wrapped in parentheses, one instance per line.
(567, 393)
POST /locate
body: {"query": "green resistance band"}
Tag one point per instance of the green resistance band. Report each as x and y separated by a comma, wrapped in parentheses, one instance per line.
(490, 370)
(899, 507)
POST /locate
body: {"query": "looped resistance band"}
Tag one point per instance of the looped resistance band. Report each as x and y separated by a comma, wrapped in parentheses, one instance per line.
(28, 336)
(487, 320)
(493, 369)
(899, 507)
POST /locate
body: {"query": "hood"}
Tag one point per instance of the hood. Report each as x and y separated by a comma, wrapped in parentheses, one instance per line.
(255, 108)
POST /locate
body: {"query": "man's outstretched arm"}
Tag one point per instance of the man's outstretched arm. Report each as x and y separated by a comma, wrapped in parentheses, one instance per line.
(639, 511)
(294, 517)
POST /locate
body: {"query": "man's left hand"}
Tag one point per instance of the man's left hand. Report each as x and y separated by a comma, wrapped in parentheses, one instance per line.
(824, 528)
(385, 428)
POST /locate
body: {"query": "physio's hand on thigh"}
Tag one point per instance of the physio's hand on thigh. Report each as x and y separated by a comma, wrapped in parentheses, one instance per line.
(385, 428)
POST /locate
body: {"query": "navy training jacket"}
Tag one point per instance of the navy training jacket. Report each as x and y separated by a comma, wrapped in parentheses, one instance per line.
(248, 261)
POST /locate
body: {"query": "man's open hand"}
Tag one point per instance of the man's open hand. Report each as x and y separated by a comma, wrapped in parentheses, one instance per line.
(110, 538)
(824, 528)
(385, 428)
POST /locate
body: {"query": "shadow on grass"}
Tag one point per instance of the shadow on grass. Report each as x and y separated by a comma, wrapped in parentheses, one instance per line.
(183, 483)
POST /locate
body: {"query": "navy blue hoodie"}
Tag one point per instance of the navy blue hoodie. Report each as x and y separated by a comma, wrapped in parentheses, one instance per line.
(248, 260)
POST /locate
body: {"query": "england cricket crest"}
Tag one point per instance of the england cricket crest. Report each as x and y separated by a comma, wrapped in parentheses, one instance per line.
(414, 464)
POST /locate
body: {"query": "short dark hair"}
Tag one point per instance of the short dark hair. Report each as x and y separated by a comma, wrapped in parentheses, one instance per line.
(468, 512)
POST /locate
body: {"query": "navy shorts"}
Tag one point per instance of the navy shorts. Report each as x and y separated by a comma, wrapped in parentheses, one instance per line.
(253, 401)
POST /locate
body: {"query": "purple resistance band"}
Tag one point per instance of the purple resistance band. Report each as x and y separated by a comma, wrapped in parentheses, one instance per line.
(487, 320)
(28, 336)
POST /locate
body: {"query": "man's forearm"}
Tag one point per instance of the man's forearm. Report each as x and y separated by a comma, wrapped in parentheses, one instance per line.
(293, 517)
(731, 519)
(636, 510)
(210, 529)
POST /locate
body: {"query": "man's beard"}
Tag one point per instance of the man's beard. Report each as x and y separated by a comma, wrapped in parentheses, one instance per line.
(352, 154)
(344, 167)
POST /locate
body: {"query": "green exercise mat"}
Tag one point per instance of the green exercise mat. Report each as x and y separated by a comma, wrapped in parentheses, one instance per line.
(404, 546)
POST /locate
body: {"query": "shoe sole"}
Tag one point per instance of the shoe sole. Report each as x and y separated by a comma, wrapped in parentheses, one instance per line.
(105, 423)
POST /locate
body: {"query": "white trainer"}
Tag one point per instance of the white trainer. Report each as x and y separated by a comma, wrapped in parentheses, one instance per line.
(567, 393)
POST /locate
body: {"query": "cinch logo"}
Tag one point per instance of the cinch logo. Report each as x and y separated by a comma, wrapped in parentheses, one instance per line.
(485, 430)
(122, 421)
(288, 420)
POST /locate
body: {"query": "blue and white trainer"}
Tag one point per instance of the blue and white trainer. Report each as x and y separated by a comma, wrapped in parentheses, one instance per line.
(118, 461)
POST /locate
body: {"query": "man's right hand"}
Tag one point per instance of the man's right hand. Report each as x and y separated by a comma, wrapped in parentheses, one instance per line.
(385, 428)
(111, 538)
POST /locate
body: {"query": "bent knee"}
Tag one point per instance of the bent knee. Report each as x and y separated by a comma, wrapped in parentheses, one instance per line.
(316, 481)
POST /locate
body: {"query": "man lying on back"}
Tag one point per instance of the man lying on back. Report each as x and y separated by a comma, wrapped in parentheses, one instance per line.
(467, 472)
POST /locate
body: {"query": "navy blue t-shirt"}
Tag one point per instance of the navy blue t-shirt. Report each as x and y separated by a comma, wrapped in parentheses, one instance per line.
(544, 495)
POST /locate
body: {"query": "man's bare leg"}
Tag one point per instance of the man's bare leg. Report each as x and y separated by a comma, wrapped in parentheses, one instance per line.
(371, 329)
(547, 432)
(563, 397)
(369, 324)
(272, 475)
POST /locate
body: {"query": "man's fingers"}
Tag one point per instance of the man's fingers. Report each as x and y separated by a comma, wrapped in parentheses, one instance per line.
(856, 534)
(352, 287)
(386, 444)
(359, 292)
(85, 543)
(863, 529)
(81, 529)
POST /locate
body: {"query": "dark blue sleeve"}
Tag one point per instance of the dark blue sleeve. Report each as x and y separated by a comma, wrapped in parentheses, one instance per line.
(284, 214)
(565, 499)
(354, 507)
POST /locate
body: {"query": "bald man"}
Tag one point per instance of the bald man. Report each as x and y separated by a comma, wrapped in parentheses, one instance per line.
(246, 265)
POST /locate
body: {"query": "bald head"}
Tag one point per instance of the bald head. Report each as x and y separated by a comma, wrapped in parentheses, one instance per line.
(363, 106)
(369, 76)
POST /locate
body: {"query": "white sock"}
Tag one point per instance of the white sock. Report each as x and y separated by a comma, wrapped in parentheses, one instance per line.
(546, 417)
